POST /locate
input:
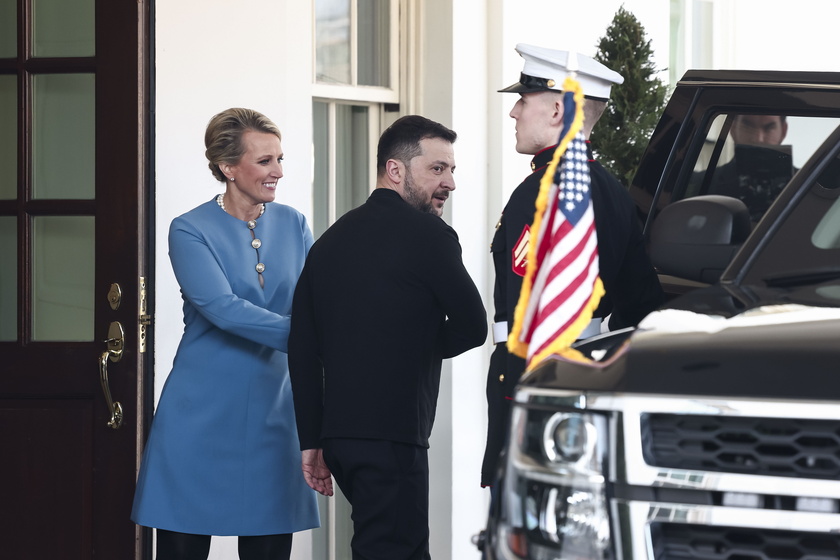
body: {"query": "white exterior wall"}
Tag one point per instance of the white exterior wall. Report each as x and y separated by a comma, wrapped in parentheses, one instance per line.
(211, 57)
(214, 54)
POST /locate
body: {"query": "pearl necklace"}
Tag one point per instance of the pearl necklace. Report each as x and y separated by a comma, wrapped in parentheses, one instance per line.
(220, 200)
(255, 242)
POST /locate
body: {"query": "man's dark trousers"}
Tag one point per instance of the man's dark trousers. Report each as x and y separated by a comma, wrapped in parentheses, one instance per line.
(387, 485)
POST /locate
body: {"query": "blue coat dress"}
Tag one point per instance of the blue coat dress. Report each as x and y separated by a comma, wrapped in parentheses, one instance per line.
(222, 457)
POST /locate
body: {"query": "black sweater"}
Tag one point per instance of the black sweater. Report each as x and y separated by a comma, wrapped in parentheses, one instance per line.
(382, 299)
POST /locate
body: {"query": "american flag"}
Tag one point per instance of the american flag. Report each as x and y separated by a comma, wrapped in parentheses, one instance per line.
(562, 286)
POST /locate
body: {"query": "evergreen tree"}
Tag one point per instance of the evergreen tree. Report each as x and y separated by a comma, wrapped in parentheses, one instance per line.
(621, 135)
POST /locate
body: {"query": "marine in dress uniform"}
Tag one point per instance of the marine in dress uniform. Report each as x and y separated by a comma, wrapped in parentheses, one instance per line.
(631, 284)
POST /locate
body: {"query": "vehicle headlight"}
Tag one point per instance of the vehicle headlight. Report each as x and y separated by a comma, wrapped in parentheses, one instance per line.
(568, 438)
(553, 498)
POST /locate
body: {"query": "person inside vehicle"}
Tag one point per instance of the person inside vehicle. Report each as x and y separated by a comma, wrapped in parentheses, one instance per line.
(761, 165)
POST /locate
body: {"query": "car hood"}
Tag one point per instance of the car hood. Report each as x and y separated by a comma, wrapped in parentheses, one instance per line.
(719, 341)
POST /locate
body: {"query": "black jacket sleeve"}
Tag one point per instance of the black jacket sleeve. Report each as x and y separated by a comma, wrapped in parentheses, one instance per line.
(466, 319)
(306, 371)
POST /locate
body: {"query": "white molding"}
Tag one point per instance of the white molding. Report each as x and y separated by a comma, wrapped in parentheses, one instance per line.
(355, 93)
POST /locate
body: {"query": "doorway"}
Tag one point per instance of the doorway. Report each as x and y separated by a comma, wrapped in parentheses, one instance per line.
(74, 243)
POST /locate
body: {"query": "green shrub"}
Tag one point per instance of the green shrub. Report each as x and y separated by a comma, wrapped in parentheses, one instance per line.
(621, 135)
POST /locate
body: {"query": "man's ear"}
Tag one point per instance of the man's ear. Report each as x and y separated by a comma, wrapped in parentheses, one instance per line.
(395, 170)
(559, 109)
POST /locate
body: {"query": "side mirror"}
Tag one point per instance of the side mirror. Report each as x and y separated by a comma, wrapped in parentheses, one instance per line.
(696, 238)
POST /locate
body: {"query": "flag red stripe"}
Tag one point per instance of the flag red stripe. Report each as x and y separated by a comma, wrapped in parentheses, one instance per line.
(580, 283)
(574, 253)
(543, 311)
(571, 288)
(549, 340)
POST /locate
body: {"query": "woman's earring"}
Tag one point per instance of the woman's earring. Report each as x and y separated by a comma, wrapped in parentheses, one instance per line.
(233, 179)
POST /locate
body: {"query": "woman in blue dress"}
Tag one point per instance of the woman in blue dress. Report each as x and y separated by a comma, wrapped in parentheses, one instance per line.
(222, 457)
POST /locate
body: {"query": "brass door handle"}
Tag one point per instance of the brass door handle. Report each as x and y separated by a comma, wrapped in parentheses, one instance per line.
(115, 342)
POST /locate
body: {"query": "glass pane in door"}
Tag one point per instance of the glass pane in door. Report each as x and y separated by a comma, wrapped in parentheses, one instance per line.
(352, 157)
(320, 171)
(63, 136)
(8, 136)
(374, 43)
(8, 278)
(63, 28)
(8, 29)
(62, 278)
(332, 41)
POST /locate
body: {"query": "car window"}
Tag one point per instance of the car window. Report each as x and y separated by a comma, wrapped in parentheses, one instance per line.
(826, 234)
(805, 247)
(753, 156)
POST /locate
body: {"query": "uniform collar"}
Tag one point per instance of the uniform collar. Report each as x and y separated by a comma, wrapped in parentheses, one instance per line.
(542, 158)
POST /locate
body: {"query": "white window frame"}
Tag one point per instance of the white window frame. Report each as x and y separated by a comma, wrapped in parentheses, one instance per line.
(374, 119)
(352, 91)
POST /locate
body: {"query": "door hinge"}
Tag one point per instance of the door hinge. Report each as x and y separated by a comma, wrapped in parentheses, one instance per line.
(144, 320)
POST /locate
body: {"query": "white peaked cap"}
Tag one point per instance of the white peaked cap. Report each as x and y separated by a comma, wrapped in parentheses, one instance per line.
(546, 69)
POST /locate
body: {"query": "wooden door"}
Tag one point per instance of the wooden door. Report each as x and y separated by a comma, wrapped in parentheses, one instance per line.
(74, 112)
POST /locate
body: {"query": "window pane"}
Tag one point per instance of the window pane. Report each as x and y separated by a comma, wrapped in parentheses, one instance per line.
(352, 157)
(753, 156)
(808, 239)
(62, 278)
(8, 29)
(63, 28)
(8, 278)
(827, 232)
(321, 171)
(63, 136)
(8, 136)
(374, 43)
(332, 41)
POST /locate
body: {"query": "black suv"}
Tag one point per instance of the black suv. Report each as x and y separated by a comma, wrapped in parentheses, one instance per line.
(712, 431)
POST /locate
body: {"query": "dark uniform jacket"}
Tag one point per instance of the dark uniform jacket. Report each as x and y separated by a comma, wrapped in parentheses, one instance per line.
(630, 281)
(383, 297)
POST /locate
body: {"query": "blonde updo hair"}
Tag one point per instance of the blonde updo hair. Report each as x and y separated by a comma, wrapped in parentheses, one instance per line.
(223, 137)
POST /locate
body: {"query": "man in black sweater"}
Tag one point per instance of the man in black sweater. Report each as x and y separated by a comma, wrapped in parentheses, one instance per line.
(382, 299)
